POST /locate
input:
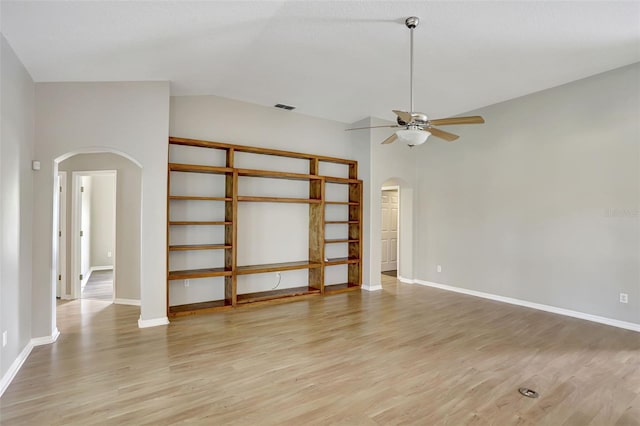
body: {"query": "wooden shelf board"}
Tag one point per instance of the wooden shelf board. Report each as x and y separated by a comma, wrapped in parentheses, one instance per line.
(276, 294)
(340, 288)
(196, 168)
(255, 150)
(190, 197)
(198, 273)
(340, 261)
(333, 179)
(346, 203)
(199, 223)
(198, 308)
(184, 247)
(276, 175)
(278, 200)
(195, 142)
(340, 240)
(340, 222)
(274, 267)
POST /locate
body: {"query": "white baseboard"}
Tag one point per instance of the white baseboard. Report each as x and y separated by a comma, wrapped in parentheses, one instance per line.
(45, 340)
(406, 280)
(14, 368)
(372, 287)
(533, 305)
(152, 322)
(133, 302)
(100, 268)
(66, 297)
(22, 357)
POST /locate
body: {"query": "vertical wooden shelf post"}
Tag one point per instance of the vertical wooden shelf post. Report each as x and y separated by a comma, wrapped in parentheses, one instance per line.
(316, 227)
(230, 231)
(355, 229)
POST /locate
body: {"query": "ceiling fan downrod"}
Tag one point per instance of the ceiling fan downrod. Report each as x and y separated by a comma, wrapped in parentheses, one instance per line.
(411, 23)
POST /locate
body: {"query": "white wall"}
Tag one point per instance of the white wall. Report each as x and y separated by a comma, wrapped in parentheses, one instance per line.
(541, 203)
(16, 185)
(128, 200)
(130, 118)
(267, 232)
(102, 220)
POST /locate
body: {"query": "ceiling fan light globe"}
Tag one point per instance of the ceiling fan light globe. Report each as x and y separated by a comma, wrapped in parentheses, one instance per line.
(413, 137)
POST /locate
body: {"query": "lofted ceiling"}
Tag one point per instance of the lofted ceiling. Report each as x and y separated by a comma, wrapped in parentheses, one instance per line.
(340, 60)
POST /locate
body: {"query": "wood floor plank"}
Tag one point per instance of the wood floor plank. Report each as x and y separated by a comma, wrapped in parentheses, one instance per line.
(404, 355)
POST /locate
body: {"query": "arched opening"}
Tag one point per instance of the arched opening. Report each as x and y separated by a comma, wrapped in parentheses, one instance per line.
(123, 252)
(394, 239)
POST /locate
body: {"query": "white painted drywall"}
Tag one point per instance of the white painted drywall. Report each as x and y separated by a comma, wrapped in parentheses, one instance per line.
(127, 244)
(102, 220)
(16, 204)
(267, 232)
(391, 164)
(542, 202)
(130, 118)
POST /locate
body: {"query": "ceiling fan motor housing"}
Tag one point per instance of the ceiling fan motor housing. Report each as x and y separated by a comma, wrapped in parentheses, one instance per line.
(417, 118)
(412, 22)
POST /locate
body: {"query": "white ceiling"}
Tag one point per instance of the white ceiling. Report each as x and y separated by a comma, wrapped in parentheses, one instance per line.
(341, 60)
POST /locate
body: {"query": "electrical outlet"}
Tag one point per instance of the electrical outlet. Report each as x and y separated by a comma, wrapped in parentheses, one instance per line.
(186, 283)
(4, 339)
(109, 254)
(439, 268)
(624, 298)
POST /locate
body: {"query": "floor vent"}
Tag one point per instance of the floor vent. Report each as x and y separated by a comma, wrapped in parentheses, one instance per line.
(529, 393)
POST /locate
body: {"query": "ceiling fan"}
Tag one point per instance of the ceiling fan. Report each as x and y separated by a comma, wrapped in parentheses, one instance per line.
(416, 126)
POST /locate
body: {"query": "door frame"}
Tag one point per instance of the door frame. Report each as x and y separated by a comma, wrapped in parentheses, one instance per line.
(393, 188)
(61, 264)
(76, 177)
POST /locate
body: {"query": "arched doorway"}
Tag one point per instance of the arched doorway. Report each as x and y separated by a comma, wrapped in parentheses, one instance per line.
(126, 245)
(404, 230)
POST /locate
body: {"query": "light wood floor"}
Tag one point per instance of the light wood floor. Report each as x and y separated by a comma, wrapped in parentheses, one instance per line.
(99, 286)
(405, 355)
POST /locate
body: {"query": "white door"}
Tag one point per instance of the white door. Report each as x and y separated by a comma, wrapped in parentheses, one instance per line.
(389, 230)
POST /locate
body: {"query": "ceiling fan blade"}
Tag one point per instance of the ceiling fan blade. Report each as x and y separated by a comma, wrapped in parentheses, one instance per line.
(442, 134)
(404, 116)
(475, 119)
(371, 127)
(390, 139)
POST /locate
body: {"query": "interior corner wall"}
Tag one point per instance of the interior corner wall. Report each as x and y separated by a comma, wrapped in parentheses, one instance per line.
(127, 234)
(129, 118)
(360, 140)
(542, 202)
(391, 161)
(16, 186)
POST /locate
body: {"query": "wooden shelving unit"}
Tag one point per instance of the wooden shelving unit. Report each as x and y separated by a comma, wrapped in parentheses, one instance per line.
(229, 271)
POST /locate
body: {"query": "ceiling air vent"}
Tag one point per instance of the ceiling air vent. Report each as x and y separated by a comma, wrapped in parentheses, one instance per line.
(283, 106)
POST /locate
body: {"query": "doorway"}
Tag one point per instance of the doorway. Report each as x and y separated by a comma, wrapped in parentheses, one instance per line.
(93, 234)
(390, 214)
